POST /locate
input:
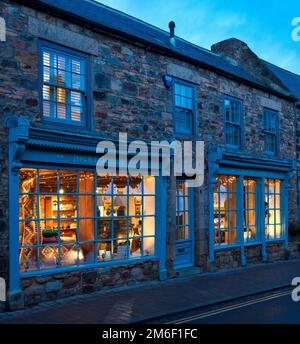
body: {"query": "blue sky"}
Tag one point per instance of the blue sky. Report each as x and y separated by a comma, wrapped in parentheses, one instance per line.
(265, 25)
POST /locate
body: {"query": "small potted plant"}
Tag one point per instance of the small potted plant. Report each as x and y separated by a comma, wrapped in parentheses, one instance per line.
(50, 236)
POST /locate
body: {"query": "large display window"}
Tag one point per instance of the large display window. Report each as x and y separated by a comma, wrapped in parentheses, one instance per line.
(243, 206)
(70, 218)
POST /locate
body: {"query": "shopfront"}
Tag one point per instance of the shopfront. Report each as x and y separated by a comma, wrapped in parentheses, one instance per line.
(75, 217)
(65, 217)
(248, 204)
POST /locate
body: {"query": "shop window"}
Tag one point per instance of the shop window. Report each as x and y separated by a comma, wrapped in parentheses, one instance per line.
(72, 218)
(250, 210)
(225, 211)
(182, 212)
(64, 81)
(273, 220)
(233, 121)
(270, 130)
(184, 109)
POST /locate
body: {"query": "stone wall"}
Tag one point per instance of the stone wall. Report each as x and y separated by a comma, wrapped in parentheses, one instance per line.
(128, 95)
(50, 287)
(228, 259)
(231, 258)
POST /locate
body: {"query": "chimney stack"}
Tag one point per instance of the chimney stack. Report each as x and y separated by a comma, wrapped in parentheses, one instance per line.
(172, 33)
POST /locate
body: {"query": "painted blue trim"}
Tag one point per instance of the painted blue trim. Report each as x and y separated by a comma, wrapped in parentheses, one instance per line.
(266, 112)
(14, 281)
(284, 213)
(241, 124)
(194, 131)
(161, 226)
(88, 120)
(225, 163)
(211, 220)
(240, 217)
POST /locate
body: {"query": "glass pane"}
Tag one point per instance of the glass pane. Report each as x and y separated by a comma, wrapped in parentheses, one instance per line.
(28, 259)
(87, 229)
(120, 205)
(120, 185)
(135, 185)
(49, 257)
(88, 252)
(135, 247)
(49, 232)
(105, 251)
(120, 228)
(70, 255)
(86, 206)
(104, 185)
(28, 207)
(149, 205)
(104, 205)
(27, 180)
(104, 229)
(28, 233)
(148, 246)
(149, 226)
(135, 206)
(48, 181)
(68, 230)
(121, 249)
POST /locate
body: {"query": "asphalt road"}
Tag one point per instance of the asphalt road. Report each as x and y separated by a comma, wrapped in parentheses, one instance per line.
(276, 307)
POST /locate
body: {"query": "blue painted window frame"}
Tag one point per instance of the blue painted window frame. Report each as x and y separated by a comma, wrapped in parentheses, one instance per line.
(271, 132)
(192, 132)
(86, 122)
(228, 123)
(260, 216)
(113, 262)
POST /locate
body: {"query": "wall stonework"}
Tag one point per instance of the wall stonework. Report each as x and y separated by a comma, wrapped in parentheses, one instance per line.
(128, 95)
(49, 287)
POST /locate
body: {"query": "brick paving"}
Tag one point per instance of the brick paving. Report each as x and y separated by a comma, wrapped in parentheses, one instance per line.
(154, 299)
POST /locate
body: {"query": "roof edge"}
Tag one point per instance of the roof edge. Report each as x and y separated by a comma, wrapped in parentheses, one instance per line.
(53, 10)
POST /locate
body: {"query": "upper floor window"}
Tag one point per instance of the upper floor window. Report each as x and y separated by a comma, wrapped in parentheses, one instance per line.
(64, 86)
(270, 130)
(184, 108)
(233, 121)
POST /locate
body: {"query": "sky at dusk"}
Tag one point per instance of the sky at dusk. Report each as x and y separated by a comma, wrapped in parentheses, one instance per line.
(264, 25)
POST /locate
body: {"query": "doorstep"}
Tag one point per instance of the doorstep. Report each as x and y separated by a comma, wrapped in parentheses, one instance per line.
(189, 271)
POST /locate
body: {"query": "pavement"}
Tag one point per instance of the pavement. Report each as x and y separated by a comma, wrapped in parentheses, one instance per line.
(156, 299)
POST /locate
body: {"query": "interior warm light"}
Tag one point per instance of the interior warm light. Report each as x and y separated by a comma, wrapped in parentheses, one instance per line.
(61, 191)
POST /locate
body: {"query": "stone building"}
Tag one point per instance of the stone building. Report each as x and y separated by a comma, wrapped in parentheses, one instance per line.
(75, 73)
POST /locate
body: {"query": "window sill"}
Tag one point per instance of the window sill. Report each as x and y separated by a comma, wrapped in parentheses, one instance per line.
(71, 128)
